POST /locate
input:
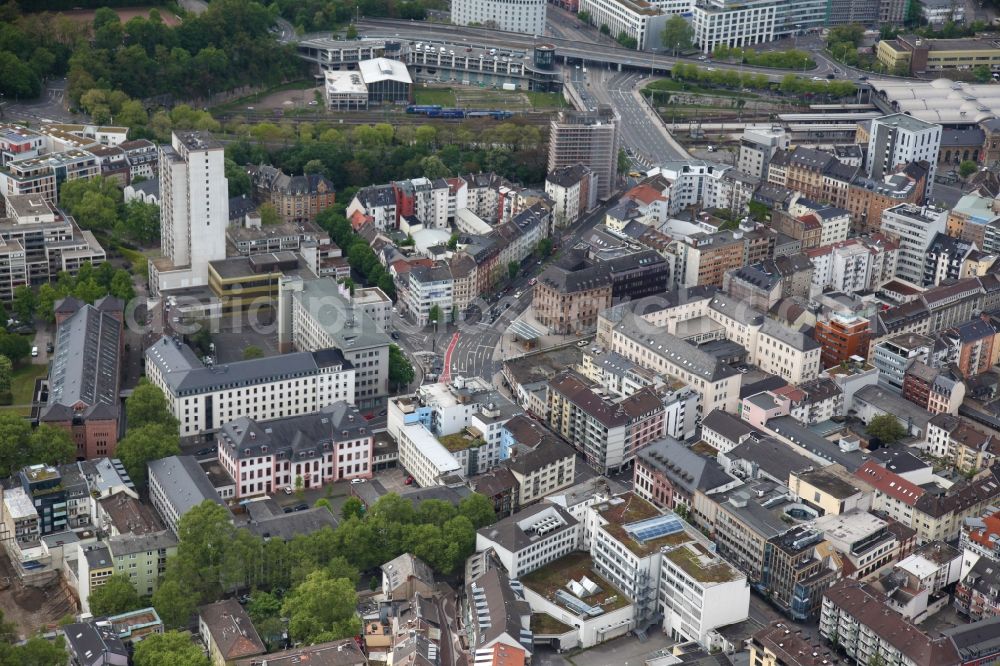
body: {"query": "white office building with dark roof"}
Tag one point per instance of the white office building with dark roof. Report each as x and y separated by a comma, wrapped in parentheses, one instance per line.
(203, 398)
(310, 451)
(525, 16)
(531, 538)
(177, 484)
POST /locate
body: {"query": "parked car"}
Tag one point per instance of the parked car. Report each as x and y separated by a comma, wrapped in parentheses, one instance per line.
(205, 452)
(300, 507)
(408, 480)
(354, 481)
(288, 490)
(49, 347)
(34, 351)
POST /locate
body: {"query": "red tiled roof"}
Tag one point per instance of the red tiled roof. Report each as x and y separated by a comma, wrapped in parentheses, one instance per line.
(889, 483)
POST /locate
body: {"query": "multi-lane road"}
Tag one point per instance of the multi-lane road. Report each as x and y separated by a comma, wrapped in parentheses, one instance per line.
(570, 48)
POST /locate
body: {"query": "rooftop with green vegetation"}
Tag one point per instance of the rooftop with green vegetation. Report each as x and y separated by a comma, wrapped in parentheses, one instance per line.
(632, 509)
(694, 559)
(460, 441)
(543, 623)
(555, 575)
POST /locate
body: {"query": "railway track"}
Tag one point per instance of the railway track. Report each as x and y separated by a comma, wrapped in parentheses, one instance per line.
(536, 119)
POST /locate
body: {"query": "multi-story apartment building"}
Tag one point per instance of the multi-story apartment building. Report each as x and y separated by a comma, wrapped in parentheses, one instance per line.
(822, 177)
(587, 138)
(317, 314)
(901, 139)
(913, 229)
(308, 451)
(143, 158)
(43, 174)
(17, 142)
(892, 356)
(574, 191)
(779, 644)
(704, 259)
(38, 242)
(142, 557)
(296, 199)
(194, 211)
(857, 264)
(540, 462)
(971, 346)
(429, 290)
(531, 538)
(946, 259)
(668, 474)
(864, 540)
(857, 616)
(936, 516)
(757, 147)
(954, 439)
(204, 398)
(526, 17)
(607, 432)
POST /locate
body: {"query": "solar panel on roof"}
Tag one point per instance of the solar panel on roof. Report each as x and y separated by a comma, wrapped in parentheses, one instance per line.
(654, 528)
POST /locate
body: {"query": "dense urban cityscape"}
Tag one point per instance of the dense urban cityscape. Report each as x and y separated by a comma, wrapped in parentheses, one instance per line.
(500, 333)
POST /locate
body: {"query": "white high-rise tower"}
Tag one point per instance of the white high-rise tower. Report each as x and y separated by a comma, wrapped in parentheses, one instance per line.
(194, 211)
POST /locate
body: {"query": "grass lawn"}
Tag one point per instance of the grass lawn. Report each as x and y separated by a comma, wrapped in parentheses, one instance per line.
(439, 96)
(671, 85)
(22, 386)
(136, 258)
(545, 100)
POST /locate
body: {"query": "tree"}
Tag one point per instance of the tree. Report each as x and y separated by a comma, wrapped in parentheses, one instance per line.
(204, 534)
(313, 166)
(174, 603)
(434, 314)
(24, 303)
(400, 369)
(51, 445)
(453, 242)
(512, 269)
(353, 508)
(983, 73)
(624, 162)
(967, 168)
(238, 178)
(141, 222)
(36, 651)
(148, 442)
(172, 648)
(252, 352)
(121, 286)
(886, 428)
(6, 374)
(432, 167)
(15, 347)
(478, 509)
(605, 30)
(584, 16)
(352, 31)
(321, 609)
(116, 595)
(148, 406)
(269, 215)
(545, 247)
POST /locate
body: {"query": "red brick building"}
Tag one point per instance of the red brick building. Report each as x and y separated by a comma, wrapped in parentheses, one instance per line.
(84, 377)
(841, 338)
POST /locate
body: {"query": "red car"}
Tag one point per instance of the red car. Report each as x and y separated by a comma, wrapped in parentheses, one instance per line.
(369, 416)
(408, 481)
